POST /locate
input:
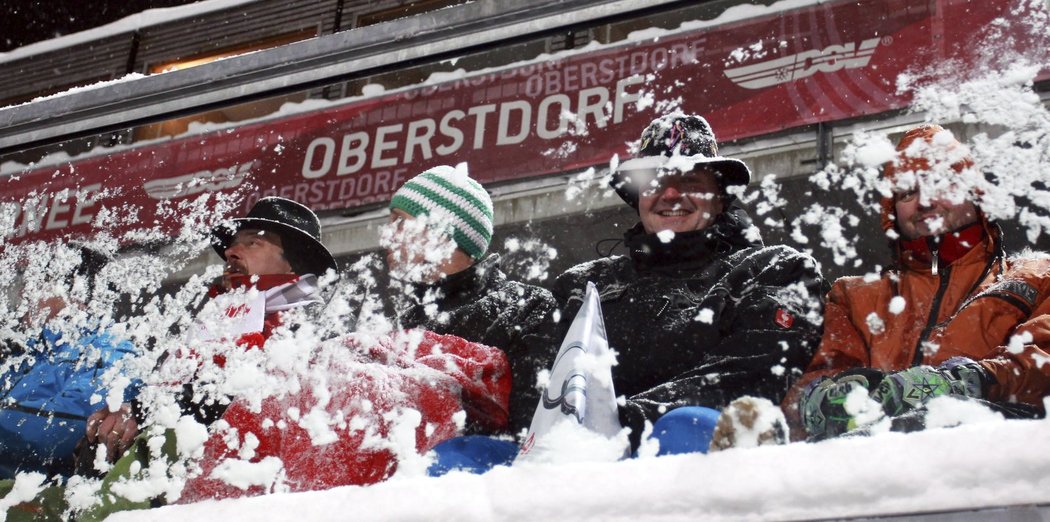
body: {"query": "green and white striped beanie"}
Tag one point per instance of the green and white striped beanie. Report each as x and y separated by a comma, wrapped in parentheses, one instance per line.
(464, 200)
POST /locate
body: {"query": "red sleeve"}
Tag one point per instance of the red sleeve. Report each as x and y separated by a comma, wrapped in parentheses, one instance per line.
(482, 371)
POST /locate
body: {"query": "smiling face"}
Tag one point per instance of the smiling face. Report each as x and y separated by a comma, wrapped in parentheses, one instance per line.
(921, 216)
(681, 202)
(256, 252)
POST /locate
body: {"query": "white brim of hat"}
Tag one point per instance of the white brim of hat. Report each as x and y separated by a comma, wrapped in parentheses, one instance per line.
(734, 171)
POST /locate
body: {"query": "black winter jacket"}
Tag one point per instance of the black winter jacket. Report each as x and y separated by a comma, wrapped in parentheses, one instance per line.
(481, 305)
(703, 319)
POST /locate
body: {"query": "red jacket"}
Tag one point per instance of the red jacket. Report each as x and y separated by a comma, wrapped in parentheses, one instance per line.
(368, 392)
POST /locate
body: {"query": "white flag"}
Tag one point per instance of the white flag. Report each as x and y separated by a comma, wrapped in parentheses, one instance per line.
(580, 390)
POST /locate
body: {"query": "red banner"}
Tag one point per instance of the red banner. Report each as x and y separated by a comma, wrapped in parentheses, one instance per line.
(750, 77)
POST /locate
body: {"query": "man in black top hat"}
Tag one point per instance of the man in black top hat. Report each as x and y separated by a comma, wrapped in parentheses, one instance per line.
(275, 249)
(699, 312)
(288, 225)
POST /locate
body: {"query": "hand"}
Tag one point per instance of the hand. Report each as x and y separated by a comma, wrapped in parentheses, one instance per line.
(913, 388)
(823, 403)
(114, 429)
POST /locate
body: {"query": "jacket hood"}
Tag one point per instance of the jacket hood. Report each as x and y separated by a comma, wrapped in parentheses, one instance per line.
(922, 149)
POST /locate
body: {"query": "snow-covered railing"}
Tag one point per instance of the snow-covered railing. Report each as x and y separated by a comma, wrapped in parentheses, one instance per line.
(431, 36)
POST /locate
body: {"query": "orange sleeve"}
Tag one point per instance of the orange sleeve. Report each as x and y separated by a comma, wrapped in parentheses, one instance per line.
(1023, 373)
(841, 347)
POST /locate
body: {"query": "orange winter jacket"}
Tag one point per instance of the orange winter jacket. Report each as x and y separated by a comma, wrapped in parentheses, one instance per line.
(977, 305)
(995, 312)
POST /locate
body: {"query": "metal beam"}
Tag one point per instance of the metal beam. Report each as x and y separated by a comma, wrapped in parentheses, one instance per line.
(424, 38)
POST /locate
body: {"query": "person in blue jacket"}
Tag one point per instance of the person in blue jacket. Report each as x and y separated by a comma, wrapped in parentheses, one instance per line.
(53, 382)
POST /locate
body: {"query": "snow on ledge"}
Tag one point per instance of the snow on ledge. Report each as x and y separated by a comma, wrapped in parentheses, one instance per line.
(1004, 463)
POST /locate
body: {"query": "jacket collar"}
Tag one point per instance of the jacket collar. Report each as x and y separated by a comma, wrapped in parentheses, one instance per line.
(465, 282)
(729, 233)
(948, 248)
(971, 244)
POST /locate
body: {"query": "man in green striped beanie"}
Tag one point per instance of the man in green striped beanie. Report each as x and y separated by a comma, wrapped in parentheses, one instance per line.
(443, 281)
(442, 224)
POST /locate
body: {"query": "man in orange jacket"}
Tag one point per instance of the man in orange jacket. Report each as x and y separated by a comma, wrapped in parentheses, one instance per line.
(955, 316)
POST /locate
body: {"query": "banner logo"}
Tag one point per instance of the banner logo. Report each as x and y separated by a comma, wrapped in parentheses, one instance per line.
(803, 65)
(196, 183)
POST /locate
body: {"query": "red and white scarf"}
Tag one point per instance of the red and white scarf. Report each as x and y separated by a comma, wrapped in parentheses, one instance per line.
(243, 309)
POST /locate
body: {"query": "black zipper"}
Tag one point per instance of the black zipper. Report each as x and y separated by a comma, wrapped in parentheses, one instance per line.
(41, 413)
(1013, 300)
(917, 359)
(934, 312)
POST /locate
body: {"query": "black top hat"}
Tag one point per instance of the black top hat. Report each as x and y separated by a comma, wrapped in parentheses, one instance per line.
(672, 142)
(298, 226)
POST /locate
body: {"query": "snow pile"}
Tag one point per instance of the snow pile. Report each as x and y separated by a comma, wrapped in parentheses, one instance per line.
(1004, 463)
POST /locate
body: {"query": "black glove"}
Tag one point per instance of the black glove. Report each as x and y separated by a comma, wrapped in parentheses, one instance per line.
(912, 388)
(823, 403)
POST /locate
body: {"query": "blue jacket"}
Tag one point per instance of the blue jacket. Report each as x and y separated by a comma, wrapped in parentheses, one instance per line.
(47, 397)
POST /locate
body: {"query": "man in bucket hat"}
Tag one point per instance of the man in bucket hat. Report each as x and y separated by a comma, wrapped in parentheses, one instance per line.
(955, 316)
(284, 223)
(699, 311)
(273, 257)
(277, 250)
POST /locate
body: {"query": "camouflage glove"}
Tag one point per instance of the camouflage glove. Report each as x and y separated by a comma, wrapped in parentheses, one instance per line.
(823, 403)
(912, 388)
